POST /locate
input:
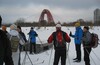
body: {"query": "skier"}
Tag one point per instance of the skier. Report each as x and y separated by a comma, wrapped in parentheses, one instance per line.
(86, 44)
(4, 29)
(0, 20)
(22, 41)
(32, 37)
(15, 38)
(23, 37)
(59, 38)
(77, 38)
(5, 48)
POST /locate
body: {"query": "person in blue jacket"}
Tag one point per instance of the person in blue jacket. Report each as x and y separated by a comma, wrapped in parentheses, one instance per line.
(77, 39)
(32, 37)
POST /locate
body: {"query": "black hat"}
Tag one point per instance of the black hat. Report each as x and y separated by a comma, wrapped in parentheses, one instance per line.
(86, 27)
(19, 27)
(0, 20)
(31, 27)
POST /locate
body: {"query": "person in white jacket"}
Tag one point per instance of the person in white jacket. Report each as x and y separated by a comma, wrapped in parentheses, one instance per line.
(14, 32)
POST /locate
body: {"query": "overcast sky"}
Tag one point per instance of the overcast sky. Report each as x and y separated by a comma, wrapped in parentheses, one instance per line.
(62, 10)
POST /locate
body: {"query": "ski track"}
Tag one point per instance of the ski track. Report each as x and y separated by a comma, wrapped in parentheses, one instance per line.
(44, 33)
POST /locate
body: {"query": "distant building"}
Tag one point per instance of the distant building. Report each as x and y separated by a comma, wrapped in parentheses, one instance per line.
(97, 16)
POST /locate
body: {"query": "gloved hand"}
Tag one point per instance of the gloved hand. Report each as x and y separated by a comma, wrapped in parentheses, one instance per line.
(70, 34)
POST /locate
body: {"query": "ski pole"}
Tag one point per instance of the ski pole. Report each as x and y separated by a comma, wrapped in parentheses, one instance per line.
(30, 59)
(68, 46)
(69, 60)
(68, 54)
(26, 54)
(50, 56)
(23, 63)
(40, 40)
(67, 49)
(96, 55)
(42, 44)
(90, 56)
(25, 60)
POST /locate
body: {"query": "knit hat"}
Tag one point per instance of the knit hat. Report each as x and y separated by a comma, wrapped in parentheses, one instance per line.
(77, 24)
(4, 27)
(86, 27)
(58, 25)
(13, 27)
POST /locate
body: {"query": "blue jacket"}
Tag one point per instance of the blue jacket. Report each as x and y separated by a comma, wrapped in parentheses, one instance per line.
(32, 36)
(78, 35)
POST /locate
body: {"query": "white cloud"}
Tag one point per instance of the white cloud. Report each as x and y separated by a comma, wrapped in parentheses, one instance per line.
(32, 11)
(62, 14)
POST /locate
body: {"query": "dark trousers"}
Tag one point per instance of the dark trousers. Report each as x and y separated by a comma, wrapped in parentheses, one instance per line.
(19, 57)
(78, 51)
(60, 54)
(8, 60)
(1, 61)
(86, 55)
(20, 50)
(32, 47)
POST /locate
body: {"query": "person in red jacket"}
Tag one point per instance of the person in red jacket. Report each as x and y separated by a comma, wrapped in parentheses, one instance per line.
(59, 39)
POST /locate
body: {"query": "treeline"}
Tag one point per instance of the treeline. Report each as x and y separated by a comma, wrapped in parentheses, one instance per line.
(23, 23)
(45, 23)
(38, 24)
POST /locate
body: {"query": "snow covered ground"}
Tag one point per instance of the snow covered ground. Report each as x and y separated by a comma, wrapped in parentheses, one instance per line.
(44, 33)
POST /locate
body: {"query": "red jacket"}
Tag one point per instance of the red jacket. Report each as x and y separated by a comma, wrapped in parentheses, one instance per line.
(57, 34)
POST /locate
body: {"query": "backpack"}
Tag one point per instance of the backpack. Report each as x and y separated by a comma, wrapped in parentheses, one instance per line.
(59, 39)
(21, 41)
(14, 43)
(94, 40)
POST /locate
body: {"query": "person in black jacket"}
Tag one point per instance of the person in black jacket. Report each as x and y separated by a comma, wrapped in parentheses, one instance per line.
(0, 20)
(22, 35)
(4, 28)
(5, 48)
(21, 47)
(86, 44)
